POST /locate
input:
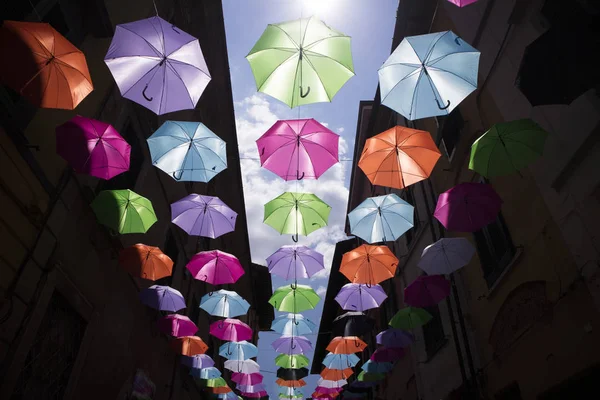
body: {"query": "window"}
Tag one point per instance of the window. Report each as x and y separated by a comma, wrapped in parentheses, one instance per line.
(449, 129)
(495, 248)
(433, 332)
(127, 179)
(511, 392)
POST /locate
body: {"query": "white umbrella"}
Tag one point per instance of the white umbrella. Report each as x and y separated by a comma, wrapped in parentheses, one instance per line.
(326, 383)
(244, 367)
(446, 256)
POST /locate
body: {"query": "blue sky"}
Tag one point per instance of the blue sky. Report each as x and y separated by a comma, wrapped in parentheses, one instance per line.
(370, 23)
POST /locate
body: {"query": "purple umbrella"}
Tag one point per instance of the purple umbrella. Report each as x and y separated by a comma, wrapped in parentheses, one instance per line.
(393, 337)
(157, 65)
(199, 361)
(387, 354)
(468, 207)
(292, 345)
(203, 216)
(293, 262)
(163, 298)
(360, 297)
(427, 291)
(92, 147)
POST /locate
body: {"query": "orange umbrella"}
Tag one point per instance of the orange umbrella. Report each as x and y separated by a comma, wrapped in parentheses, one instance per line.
(220, 390)
(369, 264)
(146, 262)
(336, 374)
(295, 384)
(189, 345)
(43, 66)
(399, 157)
(346, 345)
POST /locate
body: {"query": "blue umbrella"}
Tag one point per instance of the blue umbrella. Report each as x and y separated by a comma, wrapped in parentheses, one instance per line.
(205, 373)
(381, 218)
(188, 151)
(198, 361)
(224, 303)
(293, 325)
(340, 361)
(428, 75)
(238, 350)
(377, 367)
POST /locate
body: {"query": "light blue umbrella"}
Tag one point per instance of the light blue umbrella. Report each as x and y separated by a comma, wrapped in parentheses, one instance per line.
(377, 367)
(238, 350)
(227, 396)
(428, 75)
(224, 303)
(381, 218)
(188, 151)
(340, 361)
(205, 373)
(293, 325)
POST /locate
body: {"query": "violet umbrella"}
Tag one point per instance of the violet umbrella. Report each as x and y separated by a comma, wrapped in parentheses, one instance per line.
(298, 148)
(163, 298)
(203, 216)
(215, 267)
(360, 297)
(427, 291)
(246, 379)
(292, 345)
(244, 367)
(157, 65)
(462, 3)
(395, 338)
(92, 147)
(468, 207)
(387, 354)
(259, 387)
(293, 262)
(232, 330)
(199, 361)
(177, 325)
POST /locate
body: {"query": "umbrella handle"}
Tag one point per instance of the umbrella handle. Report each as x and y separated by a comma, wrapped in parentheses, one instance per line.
(356, 344)
(440, 106)
(298, 177)
(296, 322)
(210, 293)
(295, 239)
(368, 285)
(293, 346)
(457, 40)
(292, 363)
(220, 326)
(204, 279)
(303, 95)
(294, 286)
(144, 94)
(348, 363)
(175, 176)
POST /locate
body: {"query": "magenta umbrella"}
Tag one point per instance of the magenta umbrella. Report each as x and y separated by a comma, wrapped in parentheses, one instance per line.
(468, 207)
(215, 267)
(426, 291)
(328, 391)
(462, 3)
(203, 216)
(360, 297)
(92, 147)
(231, 330)
(298, 148)
(177, 325)
(387, 354)
(246, 379)
(256, 395)
(292, 345)
(251, 388)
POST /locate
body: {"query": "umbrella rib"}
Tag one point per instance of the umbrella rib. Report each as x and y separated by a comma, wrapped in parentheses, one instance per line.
(304, 138)
(315, 54)
(451, 73)
(170, 60)
(287, 34)
(182, 81)
(156, 160)
(158, 53)
(433, 44)
(58, 61)
(155, 69)
(318, 77)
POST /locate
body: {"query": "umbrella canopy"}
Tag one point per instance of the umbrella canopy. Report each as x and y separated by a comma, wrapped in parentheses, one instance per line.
(359, 297)
(352, 323)
(124, 211)
(157, 65)
(224, 303)
(203, 216)
(213, 383)
(293, 262)
(369, 264)
(247, 379)
(428, 75)
(462, 3)
(291, 361)
(296, 213)
(331, 384)
(92, 147)
(298, 148)
(187, 151)
(326, 393)
(292, 374)
(292, 345)
(381, 218)
(232, 330)
(205, 373)
(293, 325)
(294, 298)
(410, 318)
(427, 291)
(346, 345)
(257, 395)
(399, 157)
(377, 367)
(238, 350)
(340, 361)
(395, 338)
(45, 68)
(219, 389)
(290, 383)
(244, 367)
(177, 325)
(163, 298)
(336, 374)
(507, 147)
(251, 388)
(301, 62)
(468, 207)
(290, 392)
(146, 262)
(199, 361)
(370, 377)
(387, 354)
(215, 267)
(446, 256)
(189, 345)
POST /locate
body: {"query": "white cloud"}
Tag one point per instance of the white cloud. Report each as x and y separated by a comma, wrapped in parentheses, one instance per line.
(341, 129)
(321, 290)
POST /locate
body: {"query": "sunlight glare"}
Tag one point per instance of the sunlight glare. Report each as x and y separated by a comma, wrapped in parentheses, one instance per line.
(316, 7)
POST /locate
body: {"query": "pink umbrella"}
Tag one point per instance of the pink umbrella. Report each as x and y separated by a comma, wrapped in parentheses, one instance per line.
(231, 330)
(468, 207)
(246, 379)
(426, 291)
(462, 3)
(177, 325)
(298, 148)
(251, 388)
(387, 354)
(256, 395)
(92, 147)
(327, 391)
(215, 267)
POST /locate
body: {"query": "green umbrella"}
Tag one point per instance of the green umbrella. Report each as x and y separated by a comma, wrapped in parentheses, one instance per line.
(301, 62)
(293, 361)
(410, 318)
(296, 213)
(213, 383)
(124, 211)
(294, 298)
(507, 147)
(369, 377)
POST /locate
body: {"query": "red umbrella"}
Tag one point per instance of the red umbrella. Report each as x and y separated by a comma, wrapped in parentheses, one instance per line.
(426, 291)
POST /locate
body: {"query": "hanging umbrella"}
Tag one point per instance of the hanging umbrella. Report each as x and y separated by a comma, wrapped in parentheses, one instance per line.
(428, 75)
(246, 379)
(224, 303)
(189, 345)
(198, 361)
(177, 325)
(205, 373)
(427, 291)
(157, 65)
(301, 62)
(377, 367)
(387, 354)
(45, 68)
(244, 367)
(256, 395)
(340, 361)
(369, 264)
(359, 297)
(292, 374)
(292, 345)
(293, 325)
(446, 256)
(291, 361)
(232, 330)
(410, 318)
(290, 383)
(336, 374)
(325, 393)
(227, 396)
(219, 390)
(298, 148)
(92, 147)
(163, 298)
(370, 377)
(238, 350)
(124, 211)
(399, 157)
(381, 218)
(290, 393)
(296, 213)
(213, 383)
(507, 147)
(187, 151)
(352, 323)
(146, 262)
(330, 384)
(462, 3)
(293, 262)
(468, 207)
(203, 216)
(346, 345)
(294, 298)
(251, 388)
(395, 338)
(215, 267)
